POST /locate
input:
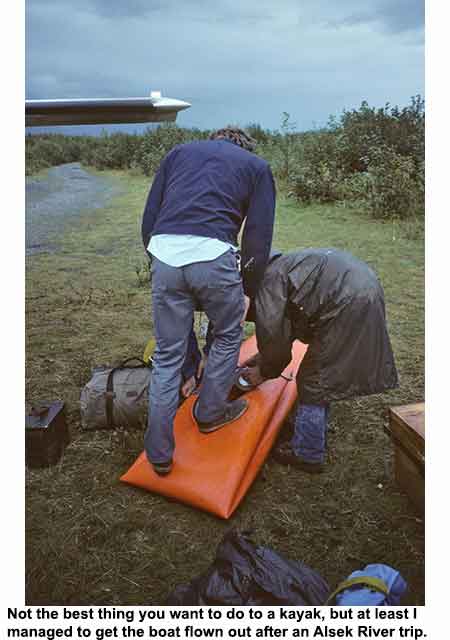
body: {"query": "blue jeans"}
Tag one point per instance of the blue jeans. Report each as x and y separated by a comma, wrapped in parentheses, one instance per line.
(216, 287)
(309, 441)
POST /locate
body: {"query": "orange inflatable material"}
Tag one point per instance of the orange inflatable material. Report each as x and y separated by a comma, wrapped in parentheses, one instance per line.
(214, 471)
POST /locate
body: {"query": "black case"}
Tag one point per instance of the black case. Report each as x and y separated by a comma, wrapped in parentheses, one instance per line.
(46, 434)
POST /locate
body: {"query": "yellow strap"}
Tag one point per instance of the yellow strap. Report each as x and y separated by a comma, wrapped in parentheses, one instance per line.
(150, 347)
(376, 584)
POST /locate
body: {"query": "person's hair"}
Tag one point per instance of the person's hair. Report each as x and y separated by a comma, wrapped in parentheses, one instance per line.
(235, 135)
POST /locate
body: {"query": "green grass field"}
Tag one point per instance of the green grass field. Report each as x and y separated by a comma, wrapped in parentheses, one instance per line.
(93, 540)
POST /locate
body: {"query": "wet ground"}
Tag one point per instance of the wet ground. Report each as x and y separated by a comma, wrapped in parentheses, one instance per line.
(50, 201)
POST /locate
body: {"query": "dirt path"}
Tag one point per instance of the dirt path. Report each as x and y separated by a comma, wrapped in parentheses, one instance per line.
(63, 193)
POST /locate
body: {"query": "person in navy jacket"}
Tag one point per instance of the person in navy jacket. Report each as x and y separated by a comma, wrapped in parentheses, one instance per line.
(201, 195)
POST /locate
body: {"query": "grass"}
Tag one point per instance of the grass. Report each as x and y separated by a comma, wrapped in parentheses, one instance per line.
(93, 540)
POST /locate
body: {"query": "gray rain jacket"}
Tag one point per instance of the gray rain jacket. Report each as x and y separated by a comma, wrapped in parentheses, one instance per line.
(333, 302)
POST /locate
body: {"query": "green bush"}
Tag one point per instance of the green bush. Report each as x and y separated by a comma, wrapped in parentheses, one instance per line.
(115, 151)
(354, 189)
(360, 131)
(157, 142)
(393, 187)
(373, 157)
(47, 150)
(315, 182)
(316, 175)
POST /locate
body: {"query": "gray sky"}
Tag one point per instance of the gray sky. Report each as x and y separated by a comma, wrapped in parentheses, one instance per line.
(236, 61)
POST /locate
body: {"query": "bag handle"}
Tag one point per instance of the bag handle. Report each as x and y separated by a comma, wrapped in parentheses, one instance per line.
(109, 395)
(376, 584)
(142, 363)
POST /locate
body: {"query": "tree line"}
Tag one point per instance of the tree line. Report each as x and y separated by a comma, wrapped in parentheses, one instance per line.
(373, 158)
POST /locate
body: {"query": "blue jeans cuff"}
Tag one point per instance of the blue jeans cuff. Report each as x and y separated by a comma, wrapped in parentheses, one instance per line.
(310, 437)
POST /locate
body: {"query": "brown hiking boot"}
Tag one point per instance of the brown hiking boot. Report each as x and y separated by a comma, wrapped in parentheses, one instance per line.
(285, 455)
(234, 411)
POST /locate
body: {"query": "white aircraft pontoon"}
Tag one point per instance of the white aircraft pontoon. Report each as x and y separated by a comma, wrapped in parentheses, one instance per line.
(154, 108)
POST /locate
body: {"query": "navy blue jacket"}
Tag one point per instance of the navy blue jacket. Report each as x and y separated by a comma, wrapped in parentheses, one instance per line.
(208, 188)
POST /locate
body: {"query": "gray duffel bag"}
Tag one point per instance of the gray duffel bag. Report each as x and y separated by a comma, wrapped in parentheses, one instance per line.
(116, 396)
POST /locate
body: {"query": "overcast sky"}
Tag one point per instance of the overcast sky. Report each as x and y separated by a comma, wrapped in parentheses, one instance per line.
(235, 61)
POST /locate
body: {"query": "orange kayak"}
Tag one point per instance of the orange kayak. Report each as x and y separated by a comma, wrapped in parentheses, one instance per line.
(214, 471)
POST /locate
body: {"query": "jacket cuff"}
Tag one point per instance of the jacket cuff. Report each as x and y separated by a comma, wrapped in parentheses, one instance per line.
(269, 371)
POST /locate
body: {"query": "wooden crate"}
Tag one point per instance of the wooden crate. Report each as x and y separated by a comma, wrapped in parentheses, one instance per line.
(407, 431)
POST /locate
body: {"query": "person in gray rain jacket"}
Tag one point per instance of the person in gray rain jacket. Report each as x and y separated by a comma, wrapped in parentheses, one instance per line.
(333, 302)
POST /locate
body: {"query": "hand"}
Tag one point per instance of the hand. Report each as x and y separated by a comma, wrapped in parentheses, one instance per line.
(253, 375)
(254, 361)
(246, 306)
(188, 387)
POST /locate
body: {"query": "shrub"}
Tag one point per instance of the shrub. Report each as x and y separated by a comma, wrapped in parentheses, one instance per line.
(157, 142)
(316, 175)
(360, 131)
(393, 188)
(46, 150)
(315, 182)
(368, 155)
(114, 151)
(354, 189)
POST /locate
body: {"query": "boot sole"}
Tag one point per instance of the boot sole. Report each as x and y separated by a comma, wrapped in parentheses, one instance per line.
(162, 471)
(216, 427)
(291, 461)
